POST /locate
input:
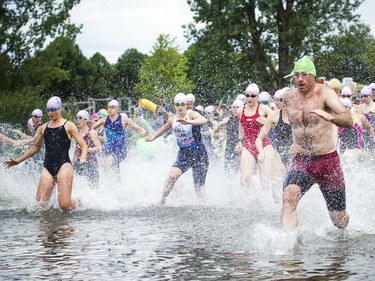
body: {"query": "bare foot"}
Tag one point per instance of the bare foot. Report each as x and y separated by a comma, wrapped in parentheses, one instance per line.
(158, 202)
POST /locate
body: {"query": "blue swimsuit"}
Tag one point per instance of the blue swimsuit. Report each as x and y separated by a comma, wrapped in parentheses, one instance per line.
(192, 153)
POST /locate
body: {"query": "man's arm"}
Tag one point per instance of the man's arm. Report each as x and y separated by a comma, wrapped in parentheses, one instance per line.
(339, 115)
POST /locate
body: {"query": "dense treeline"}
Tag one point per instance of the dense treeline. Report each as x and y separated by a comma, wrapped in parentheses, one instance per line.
(237, 42)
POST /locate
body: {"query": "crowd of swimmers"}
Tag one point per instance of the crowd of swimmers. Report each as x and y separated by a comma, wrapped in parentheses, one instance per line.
(257, 132)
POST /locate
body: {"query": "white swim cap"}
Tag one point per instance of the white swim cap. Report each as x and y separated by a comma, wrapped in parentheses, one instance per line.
(37, 112)
(366, 91)
(273, 105)
(241, 97)
(372, 85)
(278, 94)
(84, 114)
(264, 97)
(54, 102)
(347, 102)
(237, 103)
(209, 109)
(190, 98)
(283, 90)
(30, 122)
(346, 91)
(199, 108)
(252, 89)
(180, 98)
(114, 103)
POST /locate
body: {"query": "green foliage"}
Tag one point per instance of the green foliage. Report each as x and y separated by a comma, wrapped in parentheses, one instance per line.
(218, 74)
(6, 72)
(100, 83)
(25, 25)
(164, 72)
(60, 69)
(127, 74)
(369, 60)
(16, 106)
(347, 55)
(269, 34)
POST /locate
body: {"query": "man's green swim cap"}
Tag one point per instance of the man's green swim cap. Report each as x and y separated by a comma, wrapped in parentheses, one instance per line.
(304, 64)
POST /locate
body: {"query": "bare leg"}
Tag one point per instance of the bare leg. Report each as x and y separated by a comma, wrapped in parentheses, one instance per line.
(64, 184)
(173, 175)
(45, 188)
(340, 218)
(291, 197)
(247, 169)
(265, 168)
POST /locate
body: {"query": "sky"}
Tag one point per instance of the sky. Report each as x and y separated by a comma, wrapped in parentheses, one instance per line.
(110, 27)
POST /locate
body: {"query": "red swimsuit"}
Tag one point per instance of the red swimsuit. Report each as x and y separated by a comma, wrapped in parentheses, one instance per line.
(251, 129)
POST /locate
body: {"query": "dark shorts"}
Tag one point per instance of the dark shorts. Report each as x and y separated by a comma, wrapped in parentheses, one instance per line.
(196, 159)
(325, 170)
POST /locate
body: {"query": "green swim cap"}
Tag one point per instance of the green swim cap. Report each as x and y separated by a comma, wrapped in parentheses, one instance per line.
(304, 64)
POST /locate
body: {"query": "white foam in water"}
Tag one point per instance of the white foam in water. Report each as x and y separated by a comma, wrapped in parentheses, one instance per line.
(273, 240)
(142, 181)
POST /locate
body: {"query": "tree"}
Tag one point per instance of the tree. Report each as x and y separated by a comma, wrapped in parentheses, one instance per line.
(25, 25)
(164, 72)
(218, 73)
(6, 72)
(271, 34)
(127, 74)
(347, 54)
(101, 82)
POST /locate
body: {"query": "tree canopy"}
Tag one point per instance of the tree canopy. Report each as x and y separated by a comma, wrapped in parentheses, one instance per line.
(26, 25)
(164, 72)
(271, 34)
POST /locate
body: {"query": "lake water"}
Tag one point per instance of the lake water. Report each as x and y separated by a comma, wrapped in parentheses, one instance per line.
(118, 235)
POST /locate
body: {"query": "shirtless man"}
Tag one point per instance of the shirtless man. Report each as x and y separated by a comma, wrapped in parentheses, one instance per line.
(57, 135)
(314, 112)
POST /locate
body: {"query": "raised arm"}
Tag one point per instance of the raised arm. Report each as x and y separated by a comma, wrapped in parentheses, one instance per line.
(98, 123)
(134, 125)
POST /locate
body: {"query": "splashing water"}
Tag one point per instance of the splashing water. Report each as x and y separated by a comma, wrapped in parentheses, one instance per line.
(117, 234)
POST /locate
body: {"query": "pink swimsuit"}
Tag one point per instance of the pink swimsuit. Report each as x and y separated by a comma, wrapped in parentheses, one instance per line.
(251, 131)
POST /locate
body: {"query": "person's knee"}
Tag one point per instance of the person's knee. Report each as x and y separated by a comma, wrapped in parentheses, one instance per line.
(66, 205)
(291, 195)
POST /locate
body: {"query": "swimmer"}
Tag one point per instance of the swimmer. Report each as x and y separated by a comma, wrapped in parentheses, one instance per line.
(192, 153)
(57, 135)
(231, 123)
(250, 125)
(115, 147)
(90, 167)
(315, 113)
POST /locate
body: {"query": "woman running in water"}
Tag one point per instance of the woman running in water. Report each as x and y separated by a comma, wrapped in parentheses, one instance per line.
(192, 153)
(252, 114)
